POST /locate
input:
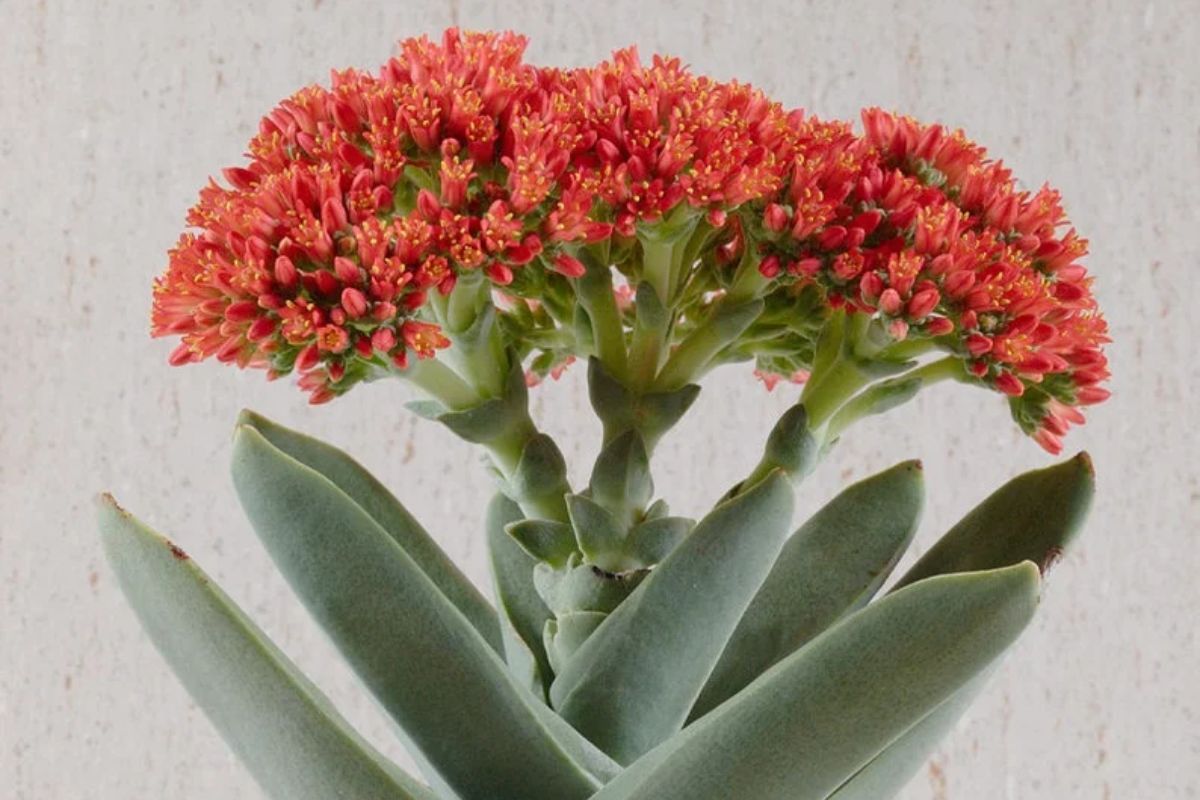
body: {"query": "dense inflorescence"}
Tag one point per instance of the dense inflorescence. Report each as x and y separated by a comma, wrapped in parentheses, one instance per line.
(364, 202)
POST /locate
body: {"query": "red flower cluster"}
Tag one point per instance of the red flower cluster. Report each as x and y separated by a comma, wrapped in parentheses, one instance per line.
(362, 199)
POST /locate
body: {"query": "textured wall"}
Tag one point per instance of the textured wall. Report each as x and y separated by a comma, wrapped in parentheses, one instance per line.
(114, 114)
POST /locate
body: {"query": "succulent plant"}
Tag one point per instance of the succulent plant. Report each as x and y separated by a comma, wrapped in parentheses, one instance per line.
(471, 225)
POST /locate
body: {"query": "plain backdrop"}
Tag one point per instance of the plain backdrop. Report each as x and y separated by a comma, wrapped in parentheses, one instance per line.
(112, 115)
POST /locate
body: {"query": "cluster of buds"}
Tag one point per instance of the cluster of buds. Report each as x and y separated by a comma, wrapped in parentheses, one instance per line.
(365, 202)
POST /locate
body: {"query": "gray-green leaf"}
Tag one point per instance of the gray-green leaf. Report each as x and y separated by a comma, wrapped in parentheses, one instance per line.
(632, 683)
(831, 566)
(1032, 517)
(891, 770)
(283, 729)
(817, 717)
(465, 716)
(382, 506)
(523, 615)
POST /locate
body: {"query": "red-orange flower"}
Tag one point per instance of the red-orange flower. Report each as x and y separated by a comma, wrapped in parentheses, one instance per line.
(365, 202)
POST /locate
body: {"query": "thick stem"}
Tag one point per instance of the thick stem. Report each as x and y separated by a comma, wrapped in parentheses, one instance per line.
(651, 331)
(825, 392)
(441, 383)
(888, 394)
(595, 291)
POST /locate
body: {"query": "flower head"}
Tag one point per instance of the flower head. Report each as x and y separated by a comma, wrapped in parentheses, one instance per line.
(337, 249)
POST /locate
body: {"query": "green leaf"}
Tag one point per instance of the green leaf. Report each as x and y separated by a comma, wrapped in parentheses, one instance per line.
(541, 471)
(831, 566)
(653, 540)
(283, 729)
(544, 540)
(563, 636)
(621, 479)
(584, 587)
(480, 733)
(630, 686)
(601, 538)
(523, 615)
(809, 723)
(382, 506)
(620, 410)
(891, 770)
(490, 419)
(1032, 517)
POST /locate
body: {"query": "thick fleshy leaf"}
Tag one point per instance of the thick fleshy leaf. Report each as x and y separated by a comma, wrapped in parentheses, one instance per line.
(817, 717)
(621, 481)
(382, 506)
(620, 410)
(523, 615)
(283, 729)
(563, 636)
(583, 587)
(479, 732)
(600, 537)
(831, 566)
(891, 770)
(1032, 517)
(632, 683)
(653, 540)
(543, 539)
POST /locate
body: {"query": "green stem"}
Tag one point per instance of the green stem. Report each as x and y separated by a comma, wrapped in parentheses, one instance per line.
(893, 392)
(657, 267)
(696, 352)
(651, 331)
(441, 383)
(826, 391)
(595, 291)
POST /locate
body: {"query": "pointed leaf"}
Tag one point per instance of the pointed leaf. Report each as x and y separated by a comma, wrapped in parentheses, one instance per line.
(563, 636)
(621, 479)
(632, 683)
(653, 540)
(601, 538)
(817, 717)
(429, 668)
(891, 770)
(541, 471)
(523, 615)
(283, 729)
(831, 566)
(1032, 517)
(543, 540)
(370, 495)
(584, 587)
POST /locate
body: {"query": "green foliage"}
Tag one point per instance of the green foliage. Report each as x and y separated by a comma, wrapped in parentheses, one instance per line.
(831, 566)
(523, 614)
(712, 660)
(807, 725)
(286, 732)
(631, 685)
(476, 730)
(373, 498)
(1033, 517)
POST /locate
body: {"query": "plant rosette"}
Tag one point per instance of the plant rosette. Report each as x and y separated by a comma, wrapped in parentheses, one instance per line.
(472, 225)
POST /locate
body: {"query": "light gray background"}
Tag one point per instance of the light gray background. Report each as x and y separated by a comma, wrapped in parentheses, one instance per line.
(113, 115)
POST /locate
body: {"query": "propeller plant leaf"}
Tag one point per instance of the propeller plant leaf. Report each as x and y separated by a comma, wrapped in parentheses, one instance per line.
(817, 717)
(374, 498)
(453, 697)
(1032, 517)
(631, 685)
(523, 615)
(831, 566)
(889, 772)
(290, 737)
